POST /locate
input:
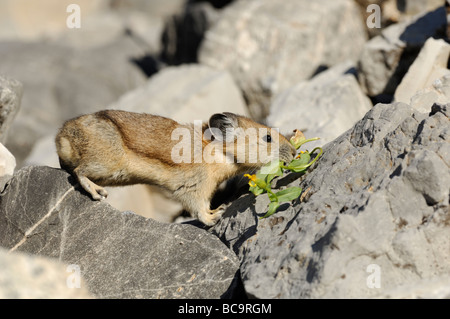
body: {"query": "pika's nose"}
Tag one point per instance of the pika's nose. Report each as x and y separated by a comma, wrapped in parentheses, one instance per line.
(289, 152)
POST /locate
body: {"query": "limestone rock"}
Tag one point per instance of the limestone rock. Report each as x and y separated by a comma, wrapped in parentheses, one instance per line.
(184, 32)
(7, 166)
(413, 7)
(62, 83)
(43, 153)
(386, 58)
(325, 106)
(447, 8)
(429, 66)
(154, 8)
(185, 93)
(25, 276)
(374, 217)
(10, 98)
(268, 46)
(435, 288)
(438, 92)
(28, 20)
(119, 254)
(145, 200)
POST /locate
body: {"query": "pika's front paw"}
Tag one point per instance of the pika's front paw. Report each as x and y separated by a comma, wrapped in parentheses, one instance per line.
(211, 217)
(97, 192)
(102, 192)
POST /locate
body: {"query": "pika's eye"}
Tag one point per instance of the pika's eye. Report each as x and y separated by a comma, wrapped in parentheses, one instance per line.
(267, 138)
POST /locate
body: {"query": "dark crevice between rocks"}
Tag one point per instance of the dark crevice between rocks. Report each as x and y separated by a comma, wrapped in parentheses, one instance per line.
(184, 33)
(218, 4)
(412, 36)
(236, 289)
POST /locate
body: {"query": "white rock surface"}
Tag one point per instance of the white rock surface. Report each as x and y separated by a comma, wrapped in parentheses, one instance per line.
(26, 276)
(268, 46)
(185, 93)
(325, 107)
(429, 66)
(7, 166)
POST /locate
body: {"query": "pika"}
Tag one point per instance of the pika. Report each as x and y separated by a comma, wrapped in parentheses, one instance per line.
(118, 148)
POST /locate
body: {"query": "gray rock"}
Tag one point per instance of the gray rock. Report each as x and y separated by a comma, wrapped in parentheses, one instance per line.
(386, 58)
(447, 8)
(119, 254)
(107, 26)
(92, 79)
(439, 93)
(27, 20)
(413, 7)
(7, 166)
(184, 32)
(388, 14)
(185, 93)
(25, 276)
(325, 106)
(434, 288)
(60, 83)
(37, 66)
(10, 97)
(374, 217)
(43, 153)
(154, 8)
(268, 46)
(427, 70)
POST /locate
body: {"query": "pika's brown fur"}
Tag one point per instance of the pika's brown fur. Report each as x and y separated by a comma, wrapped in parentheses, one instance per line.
(116, 148)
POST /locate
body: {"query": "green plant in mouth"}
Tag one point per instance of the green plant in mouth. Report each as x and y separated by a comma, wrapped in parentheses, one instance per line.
(261, 182)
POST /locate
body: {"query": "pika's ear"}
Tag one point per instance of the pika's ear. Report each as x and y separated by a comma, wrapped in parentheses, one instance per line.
(223, 126)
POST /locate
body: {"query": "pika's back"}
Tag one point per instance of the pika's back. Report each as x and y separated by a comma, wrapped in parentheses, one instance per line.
(144, 134)
(98, 134)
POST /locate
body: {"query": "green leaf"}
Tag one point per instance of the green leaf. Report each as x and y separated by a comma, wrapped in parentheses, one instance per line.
(299, 169)
(303, 160)
(302, 164)
(260, 175)
(256, 190)
(270, 177)
(272, 197)
(271, 168)
(273, 206)
(288, 194)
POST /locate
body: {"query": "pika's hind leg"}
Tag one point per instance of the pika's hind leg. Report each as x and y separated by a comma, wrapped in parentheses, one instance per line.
(97, 192)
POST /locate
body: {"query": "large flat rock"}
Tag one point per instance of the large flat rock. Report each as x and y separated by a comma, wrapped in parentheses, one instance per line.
(120, 254)
(268, 46)
(374, 221)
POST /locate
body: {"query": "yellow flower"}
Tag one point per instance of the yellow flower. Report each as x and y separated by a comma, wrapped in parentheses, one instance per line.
(299, 155)
(252, 179)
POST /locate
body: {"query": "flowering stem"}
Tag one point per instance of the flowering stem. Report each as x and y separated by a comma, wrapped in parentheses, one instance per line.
(318, 155)
(270, 191)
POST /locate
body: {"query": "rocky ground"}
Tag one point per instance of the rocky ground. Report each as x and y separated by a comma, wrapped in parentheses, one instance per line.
(373, 220)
